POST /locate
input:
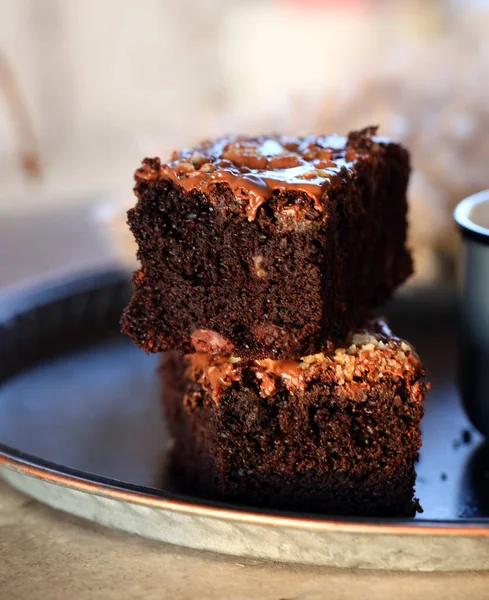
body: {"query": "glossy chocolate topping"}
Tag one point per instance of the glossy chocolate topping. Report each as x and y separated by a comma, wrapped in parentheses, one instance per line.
(256, 167)
(368, 356)
(218, 370)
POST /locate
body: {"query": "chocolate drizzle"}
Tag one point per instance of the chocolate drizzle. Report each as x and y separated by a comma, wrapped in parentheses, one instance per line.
(370, 355)
(218, 371)
(257, 167)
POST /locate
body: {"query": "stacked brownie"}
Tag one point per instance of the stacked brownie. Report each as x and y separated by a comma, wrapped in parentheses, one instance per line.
(261, 262)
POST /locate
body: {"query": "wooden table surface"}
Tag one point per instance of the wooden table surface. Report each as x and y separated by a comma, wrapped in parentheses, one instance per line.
(49, 555)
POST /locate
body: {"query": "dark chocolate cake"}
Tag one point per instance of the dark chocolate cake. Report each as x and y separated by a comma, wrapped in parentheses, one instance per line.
(335, 432)
(267, 247)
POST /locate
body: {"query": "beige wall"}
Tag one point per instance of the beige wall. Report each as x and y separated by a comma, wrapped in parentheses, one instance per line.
(108, 81)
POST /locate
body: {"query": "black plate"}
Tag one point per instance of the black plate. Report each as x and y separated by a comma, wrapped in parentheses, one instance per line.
(76, 393)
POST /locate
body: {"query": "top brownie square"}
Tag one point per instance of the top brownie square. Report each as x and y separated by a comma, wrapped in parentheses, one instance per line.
(268, 246)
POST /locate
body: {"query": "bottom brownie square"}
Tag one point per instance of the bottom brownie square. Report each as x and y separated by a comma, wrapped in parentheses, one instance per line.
(336, 432)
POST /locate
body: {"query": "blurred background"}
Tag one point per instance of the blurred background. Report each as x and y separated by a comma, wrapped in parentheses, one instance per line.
(88, 88)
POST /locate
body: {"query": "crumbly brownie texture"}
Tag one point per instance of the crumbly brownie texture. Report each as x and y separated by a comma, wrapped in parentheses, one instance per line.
(336, 432)
(268, 246)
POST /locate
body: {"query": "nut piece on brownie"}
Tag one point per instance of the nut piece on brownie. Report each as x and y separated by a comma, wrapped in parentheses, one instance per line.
(335, 432)
(267, 246)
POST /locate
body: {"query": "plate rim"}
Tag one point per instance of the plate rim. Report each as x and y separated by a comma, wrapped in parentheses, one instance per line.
(123, 492)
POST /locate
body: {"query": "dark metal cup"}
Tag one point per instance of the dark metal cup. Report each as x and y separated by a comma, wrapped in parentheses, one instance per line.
(472, 217)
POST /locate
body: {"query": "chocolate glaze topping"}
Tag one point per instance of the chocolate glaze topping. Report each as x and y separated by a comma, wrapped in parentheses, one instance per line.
(368, 356)
(256, 167)
(219, 370)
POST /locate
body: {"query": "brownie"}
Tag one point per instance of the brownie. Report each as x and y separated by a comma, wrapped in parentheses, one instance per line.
(268, 246)
(335, 432)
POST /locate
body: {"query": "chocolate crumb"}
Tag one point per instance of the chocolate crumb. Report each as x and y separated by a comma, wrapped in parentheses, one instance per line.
(466, 438)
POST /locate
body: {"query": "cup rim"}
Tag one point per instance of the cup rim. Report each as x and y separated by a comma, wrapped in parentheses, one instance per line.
(465, 223)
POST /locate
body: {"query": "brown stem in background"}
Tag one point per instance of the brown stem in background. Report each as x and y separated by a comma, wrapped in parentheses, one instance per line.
(28, 147)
